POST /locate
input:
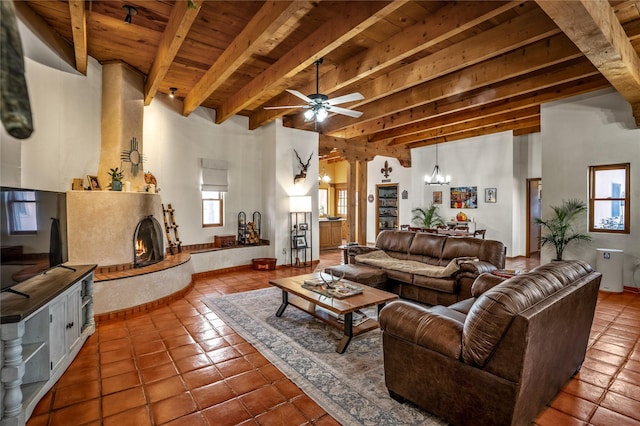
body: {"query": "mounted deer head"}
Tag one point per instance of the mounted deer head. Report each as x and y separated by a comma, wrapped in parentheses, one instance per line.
(300, 177)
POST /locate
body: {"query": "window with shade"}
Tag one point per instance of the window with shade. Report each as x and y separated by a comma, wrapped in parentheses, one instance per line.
(609, 205)
(214, 184)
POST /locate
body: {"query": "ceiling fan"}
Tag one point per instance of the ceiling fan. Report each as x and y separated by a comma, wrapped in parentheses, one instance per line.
(319, 106)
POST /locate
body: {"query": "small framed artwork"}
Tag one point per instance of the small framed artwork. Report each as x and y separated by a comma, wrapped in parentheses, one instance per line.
(437, 197)
(299, 241)
(490, 195)
(94, 184)
(303, 226)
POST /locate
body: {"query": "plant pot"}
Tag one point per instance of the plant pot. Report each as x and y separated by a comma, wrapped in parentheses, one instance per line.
(116, 185)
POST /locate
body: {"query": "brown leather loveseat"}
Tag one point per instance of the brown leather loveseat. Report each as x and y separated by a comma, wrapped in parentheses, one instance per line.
(498, 357)
(428, 268)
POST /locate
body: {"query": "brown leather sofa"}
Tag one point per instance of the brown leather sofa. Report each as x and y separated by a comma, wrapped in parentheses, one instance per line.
(472, 255)
(498, 357)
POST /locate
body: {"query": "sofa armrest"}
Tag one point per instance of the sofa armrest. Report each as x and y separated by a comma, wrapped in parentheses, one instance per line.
(485, 282)
(477, 267)
(436, 328)
(354, 251)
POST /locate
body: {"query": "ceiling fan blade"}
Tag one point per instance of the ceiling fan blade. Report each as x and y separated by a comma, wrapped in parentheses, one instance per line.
(356, 96)
(286, 107)
(300, 95)
(344, 111)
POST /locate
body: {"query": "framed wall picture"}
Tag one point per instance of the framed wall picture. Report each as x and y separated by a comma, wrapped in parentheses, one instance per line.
(464, 197)
(303, 226)
(437, 197)
(299, 241)
(490, 195)
(94, 184)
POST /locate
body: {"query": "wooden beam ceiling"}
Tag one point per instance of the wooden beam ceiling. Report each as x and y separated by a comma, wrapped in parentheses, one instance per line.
(357, 16)
(180, 21)
(453, 19)
(429, 71)
(594, 28)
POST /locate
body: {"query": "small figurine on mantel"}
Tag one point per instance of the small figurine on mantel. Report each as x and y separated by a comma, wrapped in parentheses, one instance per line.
(151, 183)
(253, 237)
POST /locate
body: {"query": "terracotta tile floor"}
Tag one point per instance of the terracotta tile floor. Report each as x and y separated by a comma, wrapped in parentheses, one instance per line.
(182, 365)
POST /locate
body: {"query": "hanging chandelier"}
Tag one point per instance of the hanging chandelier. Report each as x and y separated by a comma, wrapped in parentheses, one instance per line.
(324, 177)
(437, 178)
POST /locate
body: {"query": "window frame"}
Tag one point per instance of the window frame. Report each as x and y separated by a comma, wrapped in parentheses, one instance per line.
(14, 204)
(342, 199)
(626, 167)
(220, 200)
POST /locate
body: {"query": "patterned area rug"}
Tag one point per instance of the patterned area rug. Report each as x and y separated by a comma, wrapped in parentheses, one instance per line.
(348, 386)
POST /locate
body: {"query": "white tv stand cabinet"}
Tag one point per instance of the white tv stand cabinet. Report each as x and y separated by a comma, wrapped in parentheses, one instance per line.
(41, 335)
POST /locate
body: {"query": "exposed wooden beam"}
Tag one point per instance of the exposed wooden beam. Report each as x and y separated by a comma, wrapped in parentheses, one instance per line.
(480, 122)
(182, 17)
(403, 134)
(350, 150)
(594, 28)
(519, 62)
(516, 33)
(565, 90)
(497, 128)
(45, 33)
(271, 16)
(570, 72)
(450, 20)
(79, 30)
(329, 36)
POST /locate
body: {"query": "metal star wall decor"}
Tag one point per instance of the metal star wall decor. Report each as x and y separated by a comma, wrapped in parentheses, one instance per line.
(133, 156)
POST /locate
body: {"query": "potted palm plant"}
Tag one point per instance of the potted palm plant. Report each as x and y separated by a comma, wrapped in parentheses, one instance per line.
(116, 178)
(559, 228)
(427, 218)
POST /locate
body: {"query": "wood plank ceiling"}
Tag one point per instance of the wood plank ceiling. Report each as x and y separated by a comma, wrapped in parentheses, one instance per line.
(430, 71)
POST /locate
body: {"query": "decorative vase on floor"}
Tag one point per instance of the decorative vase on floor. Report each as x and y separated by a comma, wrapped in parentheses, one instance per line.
(116, 185)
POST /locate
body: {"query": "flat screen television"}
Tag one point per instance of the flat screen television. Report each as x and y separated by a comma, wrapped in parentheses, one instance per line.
(33, 233)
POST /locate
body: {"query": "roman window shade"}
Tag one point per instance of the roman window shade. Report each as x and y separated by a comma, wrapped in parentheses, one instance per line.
(214, 175)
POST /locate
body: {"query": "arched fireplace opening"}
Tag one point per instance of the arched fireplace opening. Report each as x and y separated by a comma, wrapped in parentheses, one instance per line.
(147, 243)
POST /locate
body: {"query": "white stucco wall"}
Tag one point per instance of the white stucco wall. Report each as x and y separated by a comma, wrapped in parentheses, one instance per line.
(65, 142)
(583, 131)
(483, 162)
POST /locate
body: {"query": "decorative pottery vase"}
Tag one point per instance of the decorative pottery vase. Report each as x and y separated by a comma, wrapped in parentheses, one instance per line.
(116, 185)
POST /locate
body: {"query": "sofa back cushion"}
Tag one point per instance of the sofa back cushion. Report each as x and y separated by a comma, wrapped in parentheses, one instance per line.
(493, 311)
(486, 250)
(427, 248)
(395, 243)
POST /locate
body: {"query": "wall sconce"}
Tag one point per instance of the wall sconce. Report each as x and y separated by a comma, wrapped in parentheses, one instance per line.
(130, 12)
(172, 92)
(300, 204)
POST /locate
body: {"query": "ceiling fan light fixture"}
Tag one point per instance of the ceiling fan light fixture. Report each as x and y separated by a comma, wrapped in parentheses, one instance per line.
(309, 114)
(130, 12)
(321, 114)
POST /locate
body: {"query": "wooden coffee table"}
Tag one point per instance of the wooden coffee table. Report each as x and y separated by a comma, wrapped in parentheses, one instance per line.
(309, 301)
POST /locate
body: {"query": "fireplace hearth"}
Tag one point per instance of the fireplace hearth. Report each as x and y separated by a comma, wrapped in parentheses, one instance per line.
(147, 243)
